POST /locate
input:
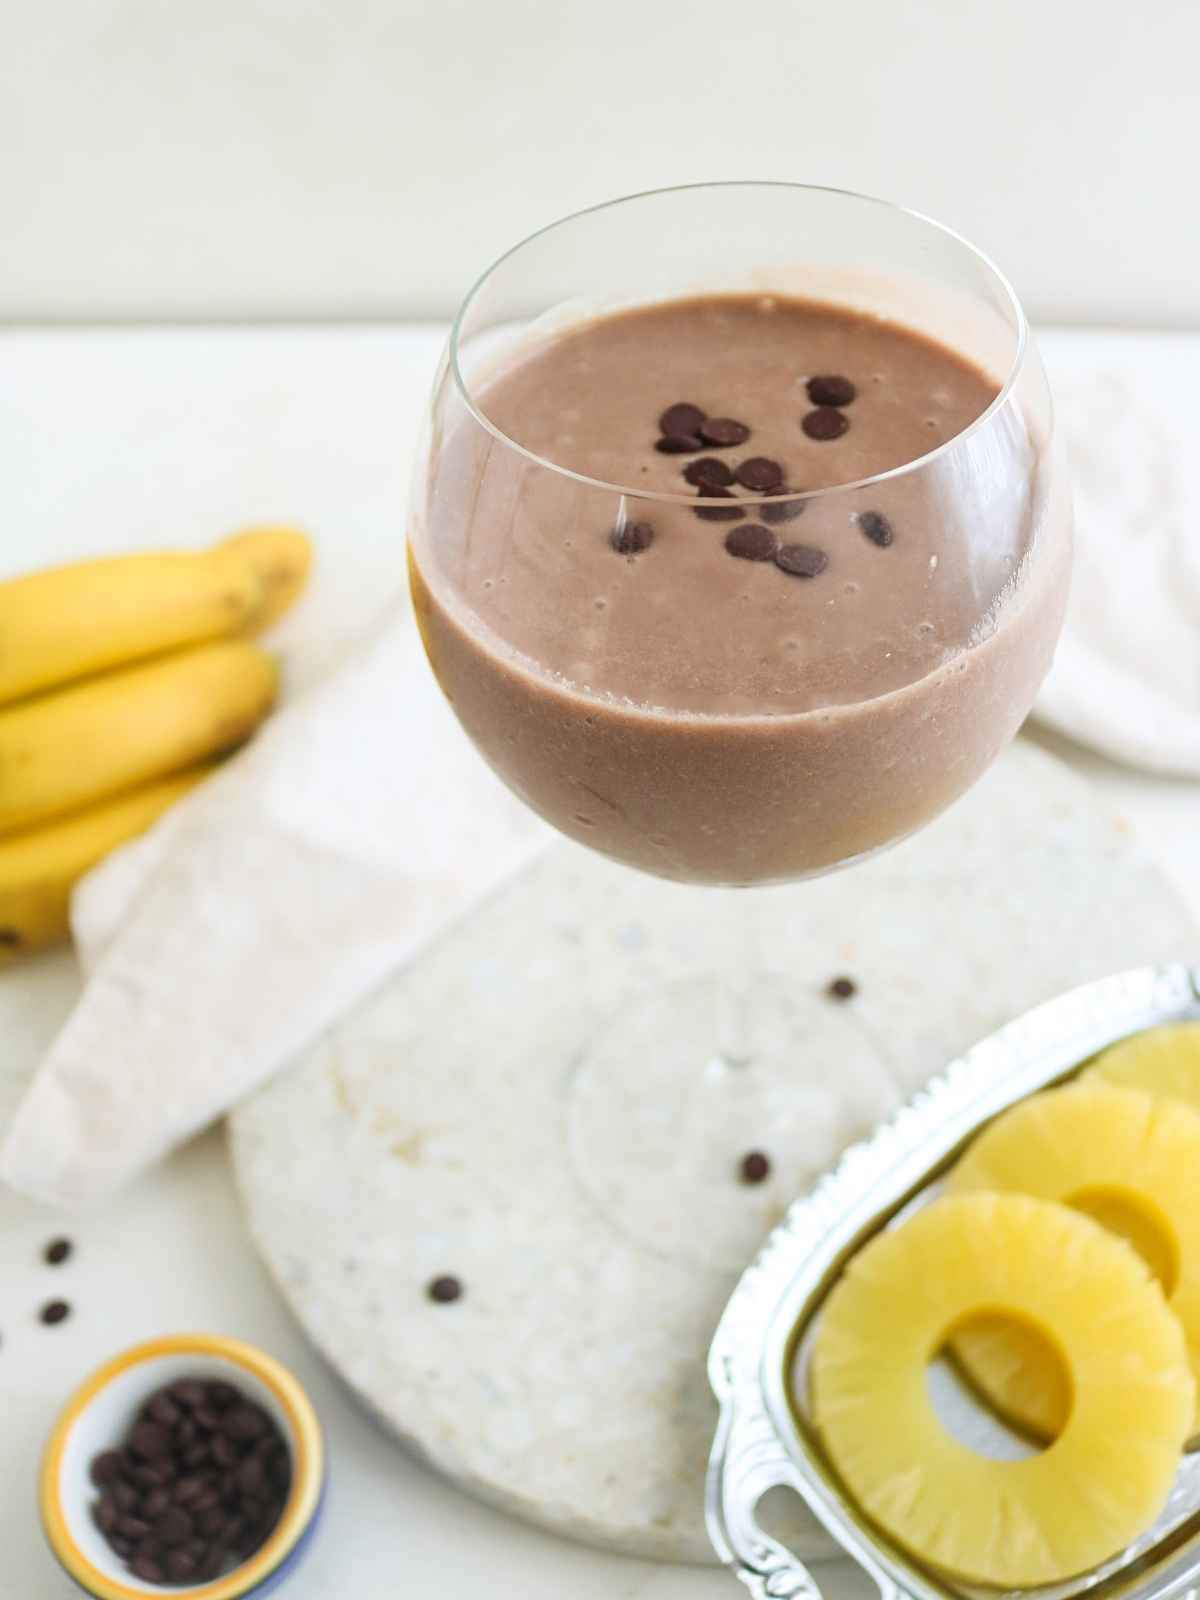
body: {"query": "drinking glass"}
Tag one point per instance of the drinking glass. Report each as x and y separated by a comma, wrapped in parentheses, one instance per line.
(710, 784)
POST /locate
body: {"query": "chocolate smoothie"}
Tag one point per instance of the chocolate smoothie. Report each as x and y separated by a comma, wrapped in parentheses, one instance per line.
(677, 649)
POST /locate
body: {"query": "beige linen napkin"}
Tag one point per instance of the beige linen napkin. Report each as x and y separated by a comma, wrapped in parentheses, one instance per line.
(357, 826)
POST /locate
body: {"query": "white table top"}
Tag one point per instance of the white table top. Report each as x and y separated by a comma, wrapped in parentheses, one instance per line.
(120, 439)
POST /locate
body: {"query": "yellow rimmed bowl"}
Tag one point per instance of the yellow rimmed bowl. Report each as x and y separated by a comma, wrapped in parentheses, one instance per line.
(99, 1414)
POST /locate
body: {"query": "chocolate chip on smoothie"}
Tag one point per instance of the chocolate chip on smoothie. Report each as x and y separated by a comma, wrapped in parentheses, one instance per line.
(801, 560)
(54, 1312)
(710, 472)
(755, 1167)
(718, 513)
(723, 431)
(759, 473)
(830, 389)
(445, 1289)
(681, 418)
(752, 542)
(877, 528)
(631, 539)
(782, 510)
(826, 422)
(842, 989)
(57, 1251)
(678, 444)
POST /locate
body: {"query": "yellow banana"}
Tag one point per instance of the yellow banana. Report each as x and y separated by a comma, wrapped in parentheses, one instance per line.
(280, 558)
(39, 869)
(66, 750)
(71, 621)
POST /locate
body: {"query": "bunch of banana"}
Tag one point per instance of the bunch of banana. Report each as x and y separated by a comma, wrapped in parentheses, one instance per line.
(122, 683)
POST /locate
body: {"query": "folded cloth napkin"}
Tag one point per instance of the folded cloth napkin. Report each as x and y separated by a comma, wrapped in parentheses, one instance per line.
(1127, 676)
(358, 825)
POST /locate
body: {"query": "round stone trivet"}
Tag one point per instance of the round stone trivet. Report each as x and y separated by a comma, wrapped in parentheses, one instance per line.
(434, 1132)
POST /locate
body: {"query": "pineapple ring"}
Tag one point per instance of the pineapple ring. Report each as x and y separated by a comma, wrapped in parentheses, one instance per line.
(1126, 1160)
(1164, 1062)
(1014, 1523)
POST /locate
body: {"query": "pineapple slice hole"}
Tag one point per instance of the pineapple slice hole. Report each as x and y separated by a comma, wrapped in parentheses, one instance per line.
(1034, 1369)
(1136, 1219)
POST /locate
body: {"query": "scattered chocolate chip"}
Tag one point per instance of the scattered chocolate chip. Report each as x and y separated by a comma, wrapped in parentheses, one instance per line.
(877, 528)
(188, 1392)
(830, 390)
(156, 1503)
(679, 444)
(681, 418)
(783, 510)
(55, 1311)
(105, 1514)
(174, 1527)
(801, 560)
(163, 1410)
(759, 473)
(754, 1167)
(718, 513)
(710, 472)
(445, 1289)
(751, 542)
(632, 538)
(105, 1468)
(147, 1569)
(723, 431)
(245, 1421)
(842, 989)
(10, 938)
(220, 1396)
(825, 423)
(57, 1251)
(132, 1528)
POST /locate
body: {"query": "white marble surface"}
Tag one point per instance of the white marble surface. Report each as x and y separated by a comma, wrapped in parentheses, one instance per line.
(117, 440)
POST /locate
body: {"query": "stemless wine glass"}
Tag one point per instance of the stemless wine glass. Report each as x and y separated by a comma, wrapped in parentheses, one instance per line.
(569, 686)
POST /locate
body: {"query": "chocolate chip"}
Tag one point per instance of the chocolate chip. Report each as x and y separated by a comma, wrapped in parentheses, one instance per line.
(801, 560)
(105, 1467)
(205, 1419)
(122, 1547)
(825, 423)
(718, 513)
(188, 1490)
(220, 1396)
(105, 1514)
(723, 431)
(245, 1421)
(830, 390)
(187, 1392)
(163, 1410)
(445, 1289)
(710, 472)
(754, 1167)
(125, 1495)
(679, 444)
(149, 1441)
(632, 538)
(842, 989)
(751, 542)
(877, 528)
(759, 473)
(132, 1527)
(147, 1569)
(222, 1451)
(782, 510)
(156, 1502)
(681, 418)
(251, 1476)
(173, 1527)
(57, 1251)
(10, 938)
(55, 1311)
(180, 1566)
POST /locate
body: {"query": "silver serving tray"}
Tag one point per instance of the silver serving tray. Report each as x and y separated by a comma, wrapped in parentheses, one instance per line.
(766, 1439)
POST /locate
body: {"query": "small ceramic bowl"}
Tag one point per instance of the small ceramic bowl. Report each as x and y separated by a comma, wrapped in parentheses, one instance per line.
(99, 1414)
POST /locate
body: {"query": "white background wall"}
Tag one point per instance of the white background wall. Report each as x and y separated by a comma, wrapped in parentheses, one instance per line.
(362, 158)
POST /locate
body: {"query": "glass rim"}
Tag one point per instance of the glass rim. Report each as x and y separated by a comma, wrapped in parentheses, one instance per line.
(659, 496)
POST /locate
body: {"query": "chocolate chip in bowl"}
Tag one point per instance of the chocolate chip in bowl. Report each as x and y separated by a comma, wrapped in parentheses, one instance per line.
(184, 1462)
